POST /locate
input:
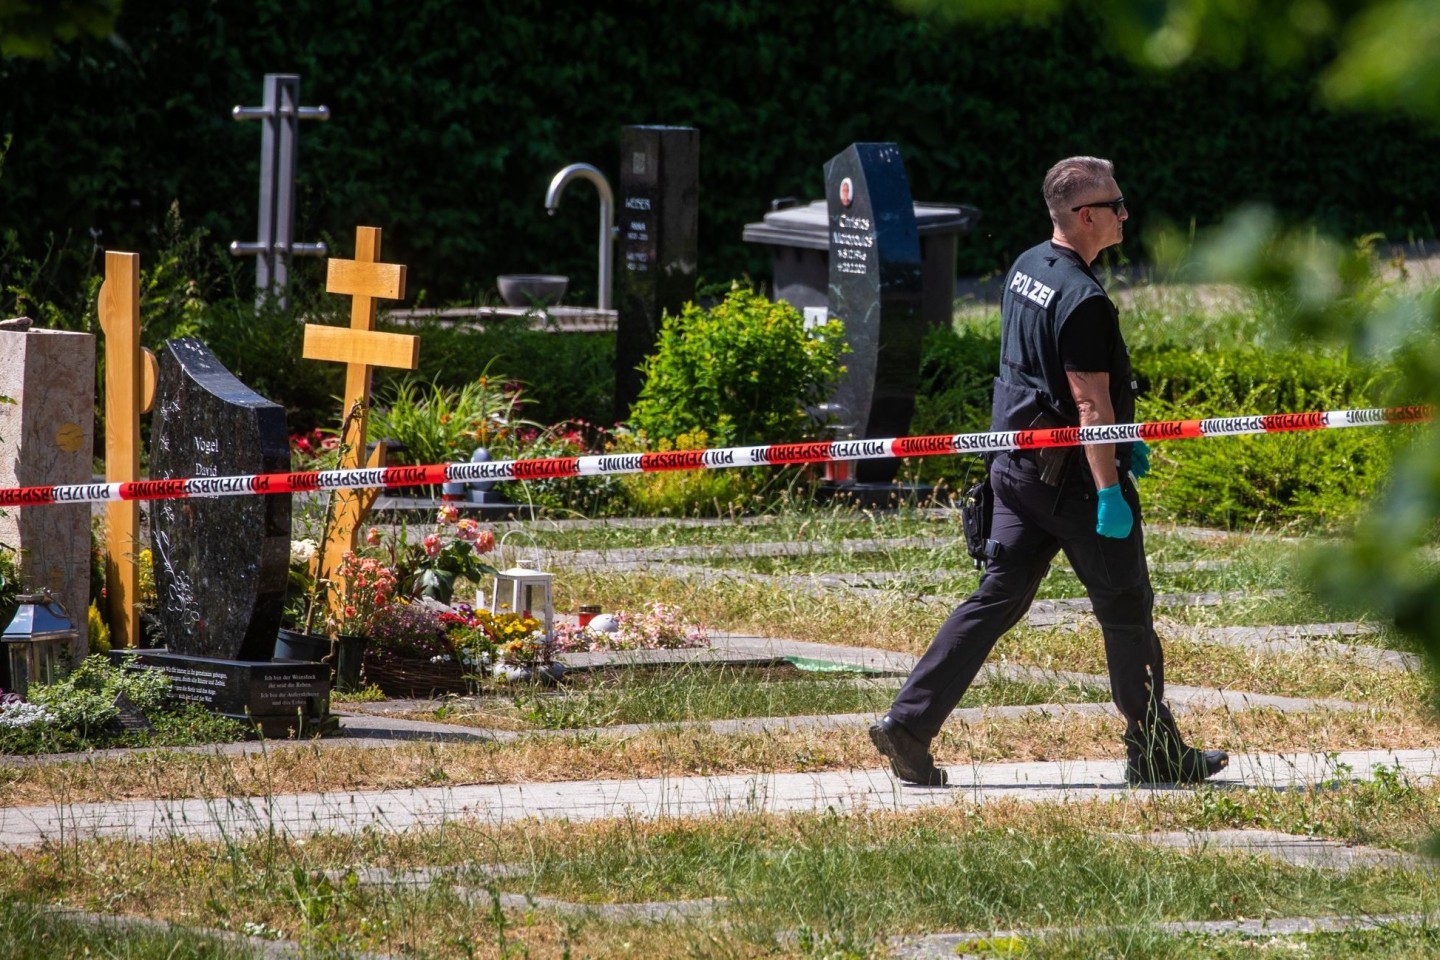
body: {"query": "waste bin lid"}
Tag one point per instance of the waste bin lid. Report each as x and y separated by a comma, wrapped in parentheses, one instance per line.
(809, 225)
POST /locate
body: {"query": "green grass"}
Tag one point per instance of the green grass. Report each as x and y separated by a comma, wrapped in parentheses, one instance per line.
(809, 880)
(28, 933)
(703, 692)
(791, 521)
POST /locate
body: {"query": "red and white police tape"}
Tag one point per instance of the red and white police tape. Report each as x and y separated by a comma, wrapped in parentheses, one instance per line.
(777, 453)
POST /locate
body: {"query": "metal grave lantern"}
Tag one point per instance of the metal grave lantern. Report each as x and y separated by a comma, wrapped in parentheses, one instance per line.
(527, 591)
(36, 644)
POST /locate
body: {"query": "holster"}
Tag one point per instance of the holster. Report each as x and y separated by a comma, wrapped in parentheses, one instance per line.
(1024, 408)
(977, 510)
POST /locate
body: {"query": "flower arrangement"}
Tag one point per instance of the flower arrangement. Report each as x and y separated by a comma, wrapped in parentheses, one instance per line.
(430, 567)
(505, 640)
(367, 587)
(407, 630)
(660, 626)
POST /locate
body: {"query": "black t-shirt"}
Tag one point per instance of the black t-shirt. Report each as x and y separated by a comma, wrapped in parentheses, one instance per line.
(1087, 339)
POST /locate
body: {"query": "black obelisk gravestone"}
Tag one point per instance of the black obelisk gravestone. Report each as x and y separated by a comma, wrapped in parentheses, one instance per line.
(875, 290)
(221, 562)
(659, 224)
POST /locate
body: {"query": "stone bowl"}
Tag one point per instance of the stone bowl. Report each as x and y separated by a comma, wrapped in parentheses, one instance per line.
(531, 289)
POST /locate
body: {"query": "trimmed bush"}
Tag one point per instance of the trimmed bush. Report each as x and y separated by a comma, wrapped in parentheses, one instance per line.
(742, 372)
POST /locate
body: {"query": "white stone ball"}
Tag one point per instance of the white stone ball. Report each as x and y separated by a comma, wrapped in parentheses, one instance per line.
(603, 623)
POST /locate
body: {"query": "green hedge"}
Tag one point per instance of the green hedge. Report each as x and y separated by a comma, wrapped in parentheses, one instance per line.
(1311, 479)
(449, 119)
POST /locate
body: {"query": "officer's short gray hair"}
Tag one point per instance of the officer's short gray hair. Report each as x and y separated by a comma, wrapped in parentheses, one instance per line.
(1070, 179)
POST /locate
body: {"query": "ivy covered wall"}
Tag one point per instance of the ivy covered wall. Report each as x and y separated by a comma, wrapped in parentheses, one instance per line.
(450, 117)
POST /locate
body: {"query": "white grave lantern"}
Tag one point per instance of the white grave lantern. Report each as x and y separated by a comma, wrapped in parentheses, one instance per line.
(527, 591)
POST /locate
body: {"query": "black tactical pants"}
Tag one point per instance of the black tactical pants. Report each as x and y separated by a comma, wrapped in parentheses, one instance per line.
(1032, 522)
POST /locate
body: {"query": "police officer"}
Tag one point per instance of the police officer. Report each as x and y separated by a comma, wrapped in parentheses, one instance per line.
(1063, 362)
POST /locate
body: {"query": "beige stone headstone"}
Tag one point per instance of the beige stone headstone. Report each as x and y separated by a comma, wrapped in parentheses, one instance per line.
(47, 437)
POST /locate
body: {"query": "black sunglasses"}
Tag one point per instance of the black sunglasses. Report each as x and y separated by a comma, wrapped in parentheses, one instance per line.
(1115, 205)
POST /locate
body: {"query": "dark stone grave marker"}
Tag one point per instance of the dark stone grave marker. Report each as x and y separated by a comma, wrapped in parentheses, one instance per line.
(875, 289)
(658, 223)
(221, 563)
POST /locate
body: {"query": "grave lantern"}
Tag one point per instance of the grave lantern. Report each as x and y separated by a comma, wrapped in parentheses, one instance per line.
(526, 591)
(36, 644)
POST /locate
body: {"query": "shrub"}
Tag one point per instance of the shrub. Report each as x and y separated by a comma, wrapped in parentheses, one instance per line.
(744, 372)
(84, 701)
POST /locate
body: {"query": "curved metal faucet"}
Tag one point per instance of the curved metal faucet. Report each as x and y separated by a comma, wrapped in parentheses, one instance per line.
(584, 171)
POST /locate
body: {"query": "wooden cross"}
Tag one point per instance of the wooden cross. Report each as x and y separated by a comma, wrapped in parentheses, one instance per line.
(360, 347)
(130, 373)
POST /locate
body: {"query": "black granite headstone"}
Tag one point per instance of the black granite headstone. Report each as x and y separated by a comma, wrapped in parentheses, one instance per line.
(659, 239)
(875, 290)
(221, 563)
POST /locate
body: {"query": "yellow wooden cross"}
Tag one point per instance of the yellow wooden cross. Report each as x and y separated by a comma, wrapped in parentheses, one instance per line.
(130, 372)
(360, 347)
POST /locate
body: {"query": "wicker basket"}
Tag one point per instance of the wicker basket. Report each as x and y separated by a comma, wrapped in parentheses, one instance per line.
(399, 677)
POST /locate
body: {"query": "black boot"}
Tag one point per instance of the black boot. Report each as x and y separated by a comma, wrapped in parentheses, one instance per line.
(909, 756)
(1166, 758)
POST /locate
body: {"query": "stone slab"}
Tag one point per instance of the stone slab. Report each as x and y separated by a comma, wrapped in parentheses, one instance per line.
(1300, 851)
(1311, 638)
(974, 945)
(278, 696)
(346, 812)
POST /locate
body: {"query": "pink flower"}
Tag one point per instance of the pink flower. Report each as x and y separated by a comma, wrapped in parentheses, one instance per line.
(432, 545)
(468, 529)
(484, 541)
(448, 513)
(372, 536)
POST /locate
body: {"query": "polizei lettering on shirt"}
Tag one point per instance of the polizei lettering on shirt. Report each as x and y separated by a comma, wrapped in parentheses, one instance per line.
(1032, 289)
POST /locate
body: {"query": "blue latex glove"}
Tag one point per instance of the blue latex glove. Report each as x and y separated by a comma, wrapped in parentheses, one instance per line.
(1139, 459)
(1113, 518)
